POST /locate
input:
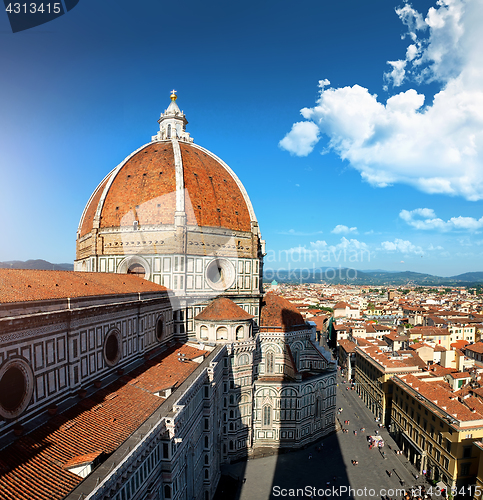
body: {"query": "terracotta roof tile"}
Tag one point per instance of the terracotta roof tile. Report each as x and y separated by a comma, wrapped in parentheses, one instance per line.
(223, 309)
(144, 189)
(459, 344)
(22, 285)
(319, 321)
(429, 331)
(90, 211)
(440, 371)
(279, 313)
(477, 347)
(441, 395)
(82, 459)
(34, 466)
(419, 345)
(347, 345)
(212, 187)
(341, 305)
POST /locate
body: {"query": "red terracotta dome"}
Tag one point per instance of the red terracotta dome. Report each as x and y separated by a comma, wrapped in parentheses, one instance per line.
(223, 309)
(277, 312)
(144, 189)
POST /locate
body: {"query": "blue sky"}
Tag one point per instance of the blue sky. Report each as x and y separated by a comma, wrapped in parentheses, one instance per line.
(354, 180)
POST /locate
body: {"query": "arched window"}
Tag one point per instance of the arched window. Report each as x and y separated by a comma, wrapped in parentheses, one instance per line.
(267, 415)
(231, 445)
(169, 131)
(270, 363)
(204, 332)
(240, 333)
(231, 426)
(222, 333)
(207, 474)
(167, 491)
(243, 360)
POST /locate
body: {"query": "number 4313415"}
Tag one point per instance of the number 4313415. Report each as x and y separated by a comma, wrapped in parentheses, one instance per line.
(33, 8)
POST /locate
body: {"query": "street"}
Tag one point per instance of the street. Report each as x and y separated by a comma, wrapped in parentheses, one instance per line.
(326, 465)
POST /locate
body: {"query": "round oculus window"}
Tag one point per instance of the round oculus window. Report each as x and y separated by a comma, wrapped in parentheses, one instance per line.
(160, 329)
(112, 348)
(137, 269)
(220, 274)
(16, 388)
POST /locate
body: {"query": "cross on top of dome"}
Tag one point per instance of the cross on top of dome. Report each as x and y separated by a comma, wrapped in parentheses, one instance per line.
(172, 123)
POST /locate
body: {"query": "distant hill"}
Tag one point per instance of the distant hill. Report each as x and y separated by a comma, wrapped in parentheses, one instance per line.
(474, 277)
(325, 274)
(379, 277)
(40, 264)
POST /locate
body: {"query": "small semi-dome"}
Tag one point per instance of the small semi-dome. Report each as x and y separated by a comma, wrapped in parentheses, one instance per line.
(223, 321)
(277, 312)
(223, 309)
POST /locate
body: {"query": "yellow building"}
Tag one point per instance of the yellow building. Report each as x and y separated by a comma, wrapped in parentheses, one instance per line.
(478, 490)
(461, 330)
(435, 428)
(373, 371)
(440, 336)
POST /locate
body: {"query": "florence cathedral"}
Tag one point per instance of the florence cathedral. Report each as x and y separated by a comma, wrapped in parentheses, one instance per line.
(159, 358)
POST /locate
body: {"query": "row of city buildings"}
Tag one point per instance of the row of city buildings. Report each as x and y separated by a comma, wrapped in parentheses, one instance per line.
(425, 383)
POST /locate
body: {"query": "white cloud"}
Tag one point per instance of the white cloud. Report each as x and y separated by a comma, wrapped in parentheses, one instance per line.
(351, 244)
(301, 139)
(439, 56)
(411, 18)
(396, 76)
(341, 229)
(402, 246)
(425, 218)
(293, 232)
(345, 253)
(437, 148)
